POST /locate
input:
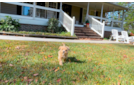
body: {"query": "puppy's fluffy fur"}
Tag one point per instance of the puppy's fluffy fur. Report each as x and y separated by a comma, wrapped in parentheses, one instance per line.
(63, 53)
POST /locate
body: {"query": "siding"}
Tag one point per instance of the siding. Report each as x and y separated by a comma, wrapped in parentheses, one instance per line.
(8, 8)
(76, 12)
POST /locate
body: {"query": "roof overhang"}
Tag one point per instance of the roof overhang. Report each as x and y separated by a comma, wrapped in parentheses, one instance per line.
(108, 6)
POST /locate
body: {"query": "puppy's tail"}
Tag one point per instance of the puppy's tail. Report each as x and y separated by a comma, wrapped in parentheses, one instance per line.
(63, 44)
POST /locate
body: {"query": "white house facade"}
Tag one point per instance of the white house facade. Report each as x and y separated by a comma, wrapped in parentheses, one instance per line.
(101, 15)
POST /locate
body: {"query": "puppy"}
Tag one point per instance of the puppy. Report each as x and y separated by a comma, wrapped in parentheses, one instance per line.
(63, 53)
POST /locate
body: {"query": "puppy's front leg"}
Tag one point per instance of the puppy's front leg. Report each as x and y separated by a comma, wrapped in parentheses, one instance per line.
(60, 61)
(65, 58)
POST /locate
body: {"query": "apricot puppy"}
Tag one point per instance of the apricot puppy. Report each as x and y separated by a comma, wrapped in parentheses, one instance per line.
(63, 53)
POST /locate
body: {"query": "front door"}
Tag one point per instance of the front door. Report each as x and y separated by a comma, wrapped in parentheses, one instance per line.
(67, 8)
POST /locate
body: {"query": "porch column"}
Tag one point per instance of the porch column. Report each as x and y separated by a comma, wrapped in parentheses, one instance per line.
(60, 10)
(112, 18)
(122, 20)
(34, 10)
(101, 12)
(87, 11)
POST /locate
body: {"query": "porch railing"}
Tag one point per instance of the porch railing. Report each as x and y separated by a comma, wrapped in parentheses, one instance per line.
(67, 22)
(97, 26)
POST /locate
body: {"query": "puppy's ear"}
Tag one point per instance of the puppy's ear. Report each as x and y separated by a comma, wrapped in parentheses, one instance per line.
(63, 44)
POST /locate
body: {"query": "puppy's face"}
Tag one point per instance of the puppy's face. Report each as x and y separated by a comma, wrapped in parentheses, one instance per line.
(64, 49)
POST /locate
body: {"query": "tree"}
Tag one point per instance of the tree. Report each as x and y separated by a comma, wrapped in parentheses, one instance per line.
(129, 16)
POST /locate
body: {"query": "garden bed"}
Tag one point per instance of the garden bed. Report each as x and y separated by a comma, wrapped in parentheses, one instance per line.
(40, 34)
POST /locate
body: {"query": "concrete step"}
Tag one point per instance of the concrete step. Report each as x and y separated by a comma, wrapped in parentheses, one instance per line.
(84, 31)
(86, 34)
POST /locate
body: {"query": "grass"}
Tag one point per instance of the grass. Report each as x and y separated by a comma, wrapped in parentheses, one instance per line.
(44, 33)
(105, 39)
(23, 62)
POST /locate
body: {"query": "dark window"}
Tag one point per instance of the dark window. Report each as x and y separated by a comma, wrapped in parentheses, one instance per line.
(81, 10)
(41, 3)
(67, 8)
(19, 10)
(52, 4)
(97, 13)
(28, 2)
(58, 8)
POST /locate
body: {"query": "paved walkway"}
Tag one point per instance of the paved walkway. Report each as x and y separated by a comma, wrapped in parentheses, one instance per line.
(5, 37)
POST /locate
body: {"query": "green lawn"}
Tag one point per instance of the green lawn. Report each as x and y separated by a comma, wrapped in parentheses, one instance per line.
(66, 34)
(23, 62)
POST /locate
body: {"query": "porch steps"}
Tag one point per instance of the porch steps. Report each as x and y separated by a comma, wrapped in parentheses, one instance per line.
(86, 33)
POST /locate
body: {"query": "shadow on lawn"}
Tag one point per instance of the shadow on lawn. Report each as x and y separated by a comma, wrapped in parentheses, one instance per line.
(73, 59)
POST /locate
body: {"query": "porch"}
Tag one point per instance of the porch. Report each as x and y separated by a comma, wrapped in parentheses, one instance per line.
(70, 14)
(112, 14)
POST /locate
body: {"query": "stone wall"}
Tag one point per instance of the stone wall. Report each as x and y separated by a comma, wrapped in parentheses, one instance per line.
(29, 27)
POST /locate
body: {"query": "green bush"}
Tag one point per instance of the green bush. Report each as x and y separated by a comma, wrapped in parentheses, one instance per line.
(53, 25)
(9, 24)
(132, 31)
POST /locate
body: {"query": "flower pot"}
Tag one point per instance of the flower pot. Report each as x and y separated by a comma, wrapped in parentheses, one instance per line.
(131, 34)
(87, 25)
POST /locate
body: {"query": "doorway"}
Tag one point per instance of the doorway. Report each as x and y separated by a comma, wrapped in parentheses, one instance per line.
(67, 8)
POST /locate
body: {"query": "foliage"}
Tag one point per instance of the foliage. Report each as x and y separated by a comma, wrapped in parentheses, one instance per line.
(132, 31)
(129, 18)
(87, 21)
(9, 24)
(53, 25)
(105, 38)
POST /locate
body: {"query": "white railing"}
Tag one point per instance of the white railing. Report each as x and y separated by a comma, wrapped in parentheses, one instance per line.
(97, 26)
(67, 22)
(65, 19)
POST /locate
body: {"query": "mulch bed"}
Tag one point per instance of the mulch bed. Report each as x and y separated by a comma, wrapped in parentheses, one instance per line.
(35, 35)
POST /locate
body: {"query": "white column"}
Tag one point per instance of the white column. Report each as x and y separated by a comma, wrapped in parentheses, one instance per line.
(72, 28)
(87, 11)
(102, 12)
(60, 10)
(103, 29)
(34, 10)
(112, 17)
(123, 20)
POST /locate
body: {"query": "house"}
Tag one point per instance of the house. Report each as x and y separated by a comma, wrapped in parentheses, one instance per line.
(72, 16)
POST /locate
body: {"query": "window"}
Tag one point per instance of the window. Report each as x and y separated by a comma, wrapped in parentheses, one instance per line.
(27, 11)
(28, 2)
(52, 4)
(41, 3)
(19, 10)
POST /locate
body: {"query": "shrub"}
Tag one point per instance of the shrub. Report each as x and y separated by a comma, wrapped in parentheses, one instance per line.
(132, 31)
(9, 24)
(53, 25)
(61, 29)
